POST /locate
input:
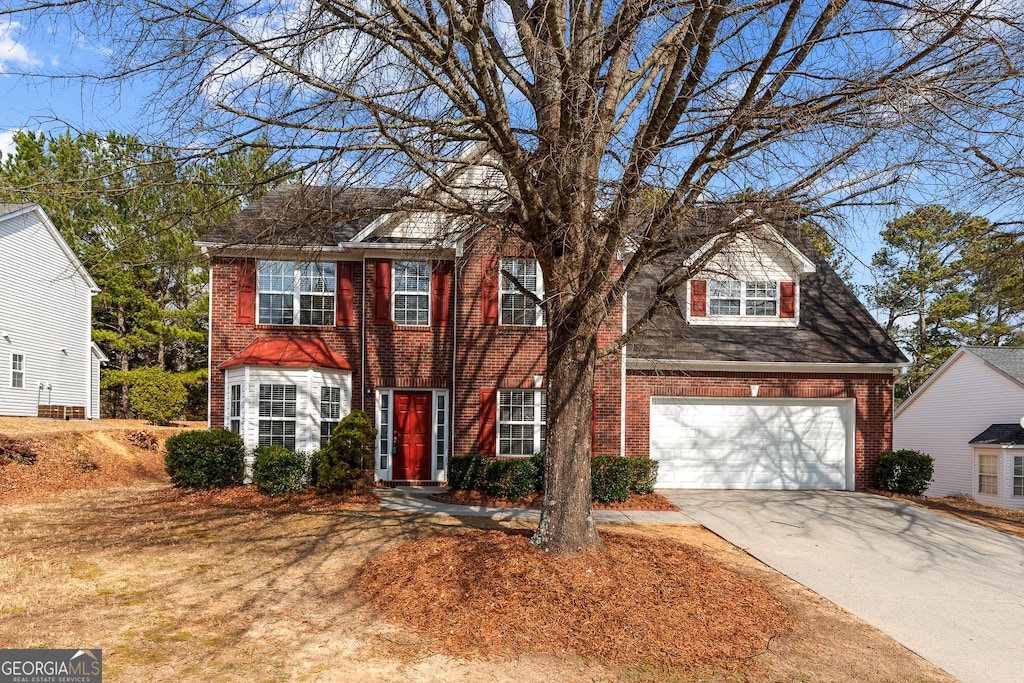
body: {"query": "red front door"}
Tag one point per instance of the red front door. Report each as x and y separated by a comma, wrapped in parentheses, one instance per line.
(412, 436)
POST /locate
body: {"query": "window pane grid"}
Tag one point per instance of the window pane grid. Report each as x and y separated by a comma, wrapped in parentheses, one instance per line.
(411, 299)
(284, 284)
(756, 298)
(521, 422)
(236, 400)
(17, 371)
(385, 421)
(1018, 476)
(516, 307)
(316, 310)
(442, 431)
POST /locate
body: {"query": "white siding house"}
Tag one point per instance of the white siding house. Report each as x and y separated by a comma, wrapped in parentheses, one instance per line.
(974, 390)
(48, 363)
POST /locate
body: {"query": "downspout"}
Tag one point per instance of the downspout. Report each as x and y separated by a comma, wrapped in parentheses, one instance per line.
(455, 342)
(362, 342)
(622, 387)
(209, 354)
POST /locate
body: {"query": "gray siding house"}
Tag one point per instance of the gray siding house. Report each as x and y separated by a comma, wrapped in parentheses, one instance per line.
(49, 366)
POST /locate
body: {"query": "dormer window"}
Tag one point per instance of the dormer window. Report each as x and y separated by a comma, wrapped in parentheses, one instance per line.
(742, 302)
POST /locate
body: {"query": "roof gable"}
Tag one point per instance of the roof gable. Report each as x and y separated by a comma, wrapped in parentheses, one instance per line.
(1004, 360)
(12, 211)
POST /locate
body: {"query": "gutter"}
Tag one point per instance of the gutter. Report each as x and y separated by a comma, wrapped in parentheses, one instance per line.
(748, 366)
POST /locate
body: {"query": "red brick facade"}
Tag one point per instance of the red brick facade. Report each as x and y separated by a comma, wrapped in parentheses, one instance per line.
(486, 356)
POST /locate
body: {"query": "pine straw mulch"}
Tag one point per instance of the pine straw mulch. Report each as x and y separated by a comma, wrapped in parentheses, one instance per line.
(637, 602)
(249, 498)
(654, 502)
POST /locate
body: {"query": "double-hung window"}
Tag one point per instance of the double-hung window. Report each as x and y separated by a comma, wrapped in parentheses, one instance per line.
(517, 308)
(235, 409)
(286, 287)
(522, 421)
(17, 371)
(1018, 475)
(330, 412)
(411, 299)
(988, 473)
(277, 415)
(756, 298)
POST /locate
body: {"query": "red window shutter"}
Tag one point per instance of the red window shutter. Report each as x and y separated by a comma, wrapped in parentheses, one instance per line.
(698, 297)
(487, 443)
(489, 290)
(441, 286)
(345, 313)
(787, 299)
(382, 291)
(245, 304)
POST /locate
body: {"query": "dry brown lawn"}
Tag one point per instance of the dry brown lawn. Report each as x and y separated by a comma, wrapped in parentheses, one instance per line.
(230, 587)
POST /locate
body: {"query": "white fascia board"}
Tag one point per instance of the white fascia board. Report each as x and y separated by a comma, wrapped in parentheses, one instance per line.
(224, 249)
(98, 352)
(804, 264)
(55, 234)
(933, 377)
(748, 366)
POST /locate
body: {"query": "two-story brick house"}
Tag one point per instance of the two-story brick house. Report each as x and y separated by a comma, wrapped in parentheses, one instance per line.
(769, 373)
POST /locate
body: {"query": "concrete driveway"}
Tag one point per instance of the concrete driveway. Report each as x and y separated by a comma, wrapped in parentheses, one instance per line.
(951, 591)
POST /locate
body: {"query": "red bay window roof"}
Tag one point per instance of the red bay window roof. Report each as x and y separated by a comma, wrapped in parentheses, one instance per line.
(287, 352)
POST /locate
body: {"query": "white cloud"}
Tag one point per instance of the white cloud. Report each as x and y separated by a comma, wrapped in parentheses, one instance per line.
(13, 52)
(7, 142)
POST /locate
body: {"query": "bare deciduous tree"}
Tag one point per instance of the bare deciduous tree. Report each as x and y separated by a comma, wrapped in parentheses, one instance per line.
(585, 105)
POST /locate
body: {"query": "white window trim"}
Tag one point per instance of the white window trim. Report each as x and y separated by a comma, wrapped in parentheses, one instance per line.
(20, 371)
(742, 319)
(539, 293)
(1014, 477)
(977, 473)
(538, 423)
(296, 292)
(406, 292)
(284, 419)
(229, 415)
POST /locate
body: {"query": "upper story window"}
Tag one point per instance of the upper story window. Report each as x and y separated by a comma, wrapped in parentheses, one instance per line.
(285, 287)
(411, 299)
(752, 297)
(742, 302)
(516, 307)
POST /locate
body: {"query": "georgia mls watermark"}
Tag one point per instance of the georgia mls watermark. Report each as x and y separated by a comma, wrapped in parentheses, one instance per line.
(51, 666)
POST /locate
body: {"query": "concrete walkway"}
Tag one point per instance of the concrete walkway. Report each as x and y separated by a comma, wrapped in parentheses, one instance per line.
(949, 590)
(413, 499)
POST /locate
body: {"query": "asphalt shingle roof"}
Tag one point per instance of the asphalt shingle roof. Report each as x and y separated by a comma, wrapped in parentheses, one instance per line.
(999, 434)
(1007, 359)
(834, 326)
(305, 216)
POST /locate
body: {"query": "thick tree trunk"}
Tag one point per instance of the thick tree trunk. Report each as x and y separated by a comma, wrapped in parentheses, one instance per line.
(567, 518)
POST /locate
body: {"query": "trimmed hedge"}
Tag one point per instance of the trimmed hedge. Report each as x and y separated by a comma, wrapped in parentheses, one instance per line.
(158, 396)
(510, 478)
(466, 472)
(611, 478)
(205, 459)
(278, 470)
(905, 471)
(644, 475)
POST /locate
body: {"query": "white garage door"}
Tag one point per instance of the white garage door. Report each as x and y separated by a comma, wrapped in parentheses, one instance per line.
(752, 444)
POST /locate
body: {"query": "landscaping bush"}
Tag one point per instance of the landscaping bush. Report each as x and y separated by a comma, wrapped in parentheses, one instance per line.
(644, 474)
(510, 478)
(157, 396)
(347, 456)
(905, 471)
(278, 470)
(15, 450)
(205, 459)
(611, 478)
(538, 462)
(312, 464)
(466, 472)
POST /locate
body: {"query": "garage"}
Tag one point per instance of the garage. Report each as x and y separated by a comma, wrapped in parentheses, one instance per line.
(752, 443)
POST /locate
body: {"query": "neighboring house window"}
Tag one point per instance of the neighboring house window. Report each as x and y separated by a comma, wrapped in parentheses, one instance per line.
(330, 412)
(1018, 475)
(285, 286)
(17, 371)
(988, 473)
(411, 297)
(277, 415)
(749, 298)
(516, 307)
(522, 422)
(235, 409)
